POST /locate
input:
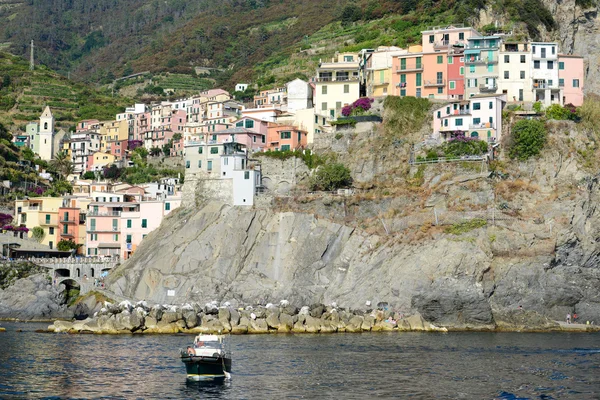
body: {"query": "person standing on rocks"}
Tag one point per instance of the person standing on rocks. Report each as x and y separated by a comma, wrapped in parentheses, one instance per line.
(568, 318)
(575, 316)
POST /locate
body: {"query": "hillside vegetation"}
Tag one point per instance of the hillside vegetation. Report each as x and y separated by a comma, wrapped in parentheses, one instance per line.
(98, 40)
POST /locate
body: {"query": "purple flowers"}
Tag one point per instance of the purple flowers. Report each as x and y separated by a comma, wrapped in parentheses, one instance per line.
(133, 144)
(358, 107)
(459, 137)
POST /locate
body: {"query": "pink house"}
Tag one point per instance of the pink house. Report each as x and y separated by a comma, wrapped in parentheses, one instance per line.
(253, 124)
(252, 140)
(570, 78)
(88, 125)
(139, 222)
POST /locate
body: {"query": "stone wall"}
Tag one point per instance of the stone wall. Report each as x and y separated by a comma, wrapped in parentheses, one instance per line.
(280, 176)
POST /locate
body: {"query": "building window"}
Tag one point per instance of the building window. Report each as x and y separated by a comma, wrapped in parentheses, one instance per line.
(418, 79)
(476, 106)
(491, 105)
(249, 123)
(209, 165)
(452, 85)
(461, 36)
(226, 161)
(506, 59)
(561, 82)
(522, 74)
(575, 83)
(144, 223)
(128, 223)
(47, 219)
(440, 91)
(439, 114)
(536, 64)
(346, 88)
(187, 164)
(128, 239)
(286, 135)
(550, 82)
(450, 60)
(324, 89)
(476, 121)
(561, 65)
(506, 75)
(471, 69)
(458, 122)
(51, 231)
(461, 70)
(431, 39)
(338, 105)
(520, 94)
(285, 147)
(550, 64)
(214, 150)
(51, 245)
(115, 238)
(199, 163)
(402, 92)
(440, 59)
(324, 106)
(490, 68)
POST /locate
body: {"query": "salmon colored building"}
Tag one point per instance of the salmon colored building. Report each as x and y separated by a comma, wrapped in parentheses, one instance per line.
(71, 226)
(456, 75)
(285, 137)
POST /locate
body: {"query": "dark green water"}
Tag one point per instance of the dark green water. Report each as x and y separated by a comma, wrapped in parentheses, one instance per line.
(342, 366)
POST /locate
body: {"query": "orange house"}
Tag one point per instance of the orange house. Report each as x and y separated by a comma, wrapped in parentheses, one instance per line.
(285, 137)
(71, 226)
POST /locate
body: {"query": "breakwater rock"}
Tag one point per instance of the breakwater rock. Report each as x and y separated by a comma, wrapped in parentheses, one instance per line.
(212, 318)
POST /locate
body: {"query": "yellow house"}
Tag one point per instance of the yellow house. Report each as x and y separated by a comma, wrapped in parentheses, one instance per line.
(337, 84)
(113, 131)
(99, 159)
(40, 212)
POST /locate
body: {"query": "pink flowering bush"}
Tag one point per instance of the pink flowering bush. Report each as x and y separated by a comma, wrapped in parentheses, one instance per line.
(359, 107)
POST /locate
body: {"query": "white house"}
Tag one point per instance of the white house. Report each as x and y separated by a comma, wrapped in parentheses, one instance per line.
(300, 95)
(241, 87)
(544, 73)
(478, 117)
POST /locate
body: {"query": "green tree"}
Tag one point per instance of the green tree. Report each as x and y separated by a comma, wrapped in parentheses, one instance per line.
(62, 164)
(528, 139)
(89, 175)
(38, 234)
(155, 151)
(67, 245)
(330, 177)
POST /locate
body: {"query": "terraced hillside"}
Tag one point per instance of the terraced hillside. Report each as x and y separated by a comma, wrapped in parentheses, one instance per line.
(24, 93)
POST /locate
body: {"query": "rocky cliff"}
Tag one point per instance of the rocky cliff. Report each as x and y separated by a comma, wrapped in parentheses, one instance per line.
(463, 248)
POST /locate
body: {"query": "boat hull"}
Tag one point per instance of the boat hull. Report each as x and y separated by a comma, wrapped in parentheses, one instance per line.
(207, 368)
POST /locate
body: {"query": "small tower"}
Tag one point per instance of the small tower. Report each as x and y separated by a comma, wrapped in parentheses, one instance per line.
(46, 135)
(31, 63)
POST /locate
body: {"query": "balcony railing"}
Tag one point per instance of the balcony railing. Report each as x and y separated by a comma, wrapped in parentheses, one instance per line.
(481, 61)
(69, 234)
(51, 221)
(67, 221)
(411, 67)
(459, 112)
(337, 79)
(104, 214)
(438, 82)
(488, 89)
(103, 230)
(543, 85)
(483, 125)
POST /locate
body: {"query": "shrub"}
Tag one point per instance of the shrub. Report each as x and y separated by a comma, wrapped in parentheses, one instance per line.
(330, 177)
(466, 226)
(37, 233)
(538, 107)
(460, 145)
(528, 139)
(589, 112)
(405, 113)
(558, 112)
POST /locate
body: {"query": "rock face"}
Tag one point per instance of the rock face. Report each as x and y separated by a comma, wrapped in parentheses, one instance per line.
(33, 298)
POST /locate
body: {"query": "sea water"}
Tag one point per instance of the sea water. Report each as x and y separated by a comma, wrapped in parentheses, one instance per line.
(343, 366)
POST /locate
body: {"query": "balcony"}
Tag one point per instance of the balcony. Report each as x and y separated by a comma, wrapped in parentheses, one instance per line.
(434, 83)
(48, 222)
(459, 112)
(68, 234)
(441, 44)
(480, 61)
(544, 86)
(483, 125)
(103, 230)
(104, 214)
(410, 68)
(337, 79)
(67, 221)
(488, 89)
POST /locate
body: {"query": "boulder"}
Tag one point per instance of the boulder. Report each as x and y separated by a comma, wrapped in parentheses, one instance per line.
(316, 310)
(328, 327)
(62, 326)
(156, 312)
(368, 323)
(416, 322)
(239, 329)
(286, 323)
(273, 320)
(234, 317)
(299, 327)
(150, 322)
(258, 325)
(313, 325)
(190, 317)
(169, 316)
(355, 324)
